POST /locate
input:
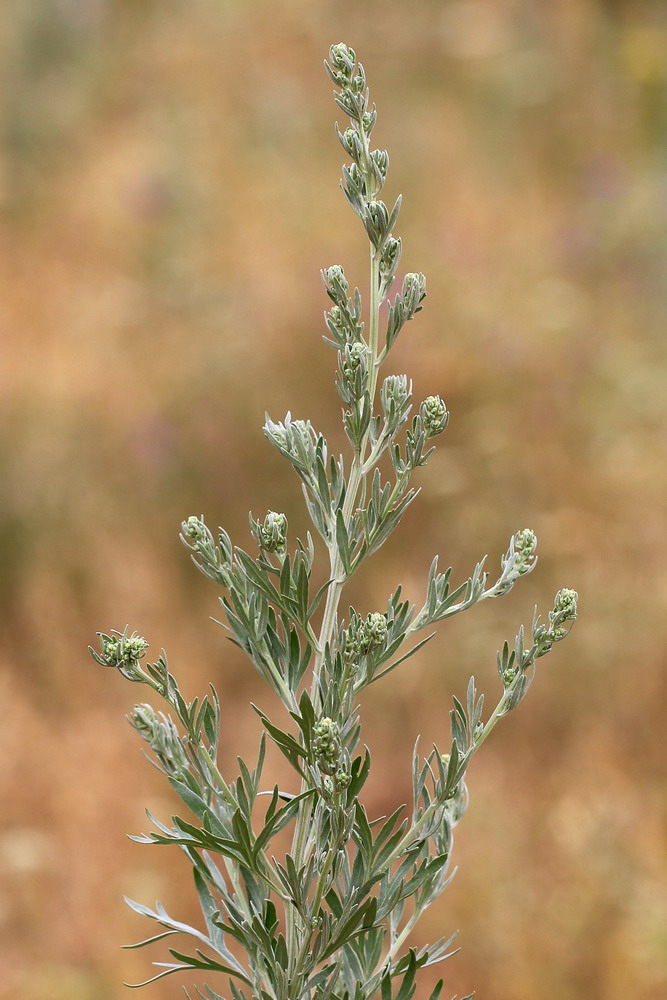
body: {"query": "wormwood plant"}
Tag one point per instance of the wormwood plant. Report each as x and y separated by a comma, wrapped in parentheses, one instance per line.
(328, 919)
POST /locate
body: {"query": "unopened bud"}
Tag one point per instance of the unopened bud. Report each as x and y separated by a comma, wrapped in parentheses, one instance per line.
(352, 144)
(395, 393)
(391, 254)
(565, 605)
(373, 632)
(434, 415)
(336, 281)
(343, 60)
(273, 533)
(525, 544)
(380, 158)
(414, 290)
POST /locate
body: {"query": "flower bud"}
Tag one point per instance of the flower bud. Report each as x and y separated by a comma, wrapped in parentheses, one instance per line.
(380, 159)
(373, 632)
(352, 144)
(391, 254)
(355, 359)
(565, 604)
(434, 415)
(525, 544)
(368, 120)
(161, 735)
(353, 363)
(343, 60)
(336, 282)
(395, 395)
(343, 779)
(359, 81)
(414, 290)
(277, 433)
(123, 652)
(192, 527)
(326, 745)
(145, 720)
(273, 533)
(195, 529)
(376, 221)
(509, 673)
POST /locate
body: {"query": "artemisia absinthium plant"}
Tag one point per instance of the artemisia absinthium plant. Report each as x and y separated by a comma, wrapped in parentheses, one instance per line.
(330, 919)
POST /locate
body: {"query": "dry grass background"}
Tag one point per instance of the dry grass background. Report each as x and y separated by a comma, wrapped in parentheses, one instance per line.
(169, 192)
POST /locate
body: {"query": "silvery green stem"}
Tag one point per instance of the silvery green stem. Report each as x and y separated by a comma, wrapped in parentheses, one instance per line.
(356, 476)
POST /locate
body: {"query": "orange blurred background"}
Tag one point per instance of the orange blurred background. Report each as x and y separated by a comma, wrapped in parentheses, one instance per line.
(169, 189)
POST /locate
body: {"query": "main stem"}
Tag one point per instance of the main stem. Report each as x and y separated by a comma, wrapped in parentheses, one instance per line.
(338, 578)
(356, 477)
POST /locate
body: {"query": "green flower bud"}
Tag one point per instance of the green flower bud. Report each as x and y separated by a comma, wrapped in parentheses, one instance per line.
(145, 720)
(123, 652)
(376, 221)
(509, 674)
(353, 380)
(357, 179)
(414, 290)
(192, 527)
(368, 120)
(343, 61)
(343, 779)
(352, 144)
(277, 433)
(326, 745)
(294, 438)
(373, 633)
(434, 415)
(395, 397)
(391, 254)
(525, 544)
(359, 81)
(565, 605)
(336, 282)
(380, 159)
(273, 533)
(355, 360)
(161, 735)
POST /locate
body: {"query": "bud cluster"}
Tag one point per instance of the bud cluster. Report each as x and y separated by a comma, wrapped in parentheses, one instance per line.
(525, 544)
(352, 383)
(211, 556)
(123, 652)
(396, 397)
(412, 293)
(343, 67)
(161, 734)
(363, 636)
(416, 452)
(434, 415)
(343, 320)
(519, 560)
(272, 534)
(563, 612)
(330, 755)
(296, 439)
(405, 305)
(391, 255)
(364, 178)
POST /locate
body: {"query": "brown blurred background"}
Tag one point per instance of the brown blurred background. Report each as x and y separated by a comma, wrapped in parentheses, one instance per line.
(169, 189)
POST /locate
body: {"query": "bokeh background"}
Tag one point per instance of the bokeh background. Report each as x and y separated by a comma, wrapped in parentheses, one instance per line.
(169, 189)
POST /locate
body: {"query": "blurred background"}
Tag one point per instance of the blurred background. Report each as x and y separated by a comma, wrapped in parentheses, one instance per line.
(169, 192)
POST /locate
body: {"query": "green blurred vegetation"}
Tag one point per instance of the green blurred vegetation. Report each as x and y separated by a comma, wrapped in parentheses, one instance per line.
(169, 191)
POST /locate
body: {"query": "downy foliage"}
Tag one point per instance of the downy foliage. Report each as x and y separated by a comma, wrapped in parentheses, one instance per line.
(330, 919)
